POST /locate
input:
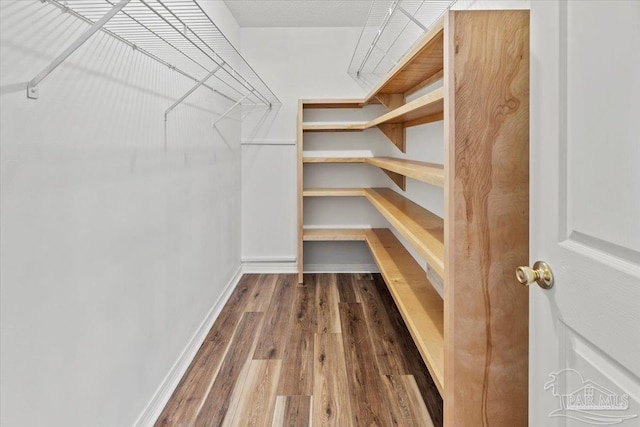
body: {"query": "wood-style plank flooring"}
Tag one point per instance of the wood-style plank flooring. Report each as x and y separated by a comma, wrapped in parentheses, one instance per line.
(331, 352)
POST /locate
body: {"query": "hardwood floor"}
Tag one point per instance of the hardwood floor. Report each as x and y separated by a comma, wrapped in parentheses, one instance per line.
(331, 352)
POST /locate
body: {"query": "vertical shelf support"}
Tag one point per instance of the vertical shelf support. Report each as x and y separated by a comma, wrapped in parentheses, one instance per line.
(32, 86)
(396, 134)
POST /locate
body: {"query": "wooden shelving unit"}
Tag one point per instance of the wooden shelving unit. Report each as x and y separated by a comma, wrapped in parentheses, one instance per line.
(474, 341)
(425, 109)
(422, 229)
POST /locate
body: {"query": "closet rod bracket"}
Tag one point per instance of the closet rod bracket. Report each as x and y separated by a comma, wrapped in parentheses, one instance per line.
(32, 86)
(190, 91)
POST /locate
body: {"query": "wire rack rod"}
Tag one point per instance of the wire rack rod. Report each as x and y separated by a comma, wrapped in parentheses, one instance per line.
(392, 28)
(178, 34)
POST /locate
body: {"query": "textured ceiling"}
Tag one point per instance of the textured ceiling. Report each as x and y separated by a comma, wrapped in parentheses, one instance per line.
(300, 13)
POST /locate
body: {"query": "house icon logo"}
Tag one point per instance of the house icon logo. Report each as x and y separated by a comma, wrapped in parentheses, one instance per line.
(589, 402)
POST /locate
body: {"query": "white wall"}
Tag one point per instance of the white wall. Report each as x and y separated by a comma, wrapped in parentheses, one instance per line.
(112, 250)
(297, 63)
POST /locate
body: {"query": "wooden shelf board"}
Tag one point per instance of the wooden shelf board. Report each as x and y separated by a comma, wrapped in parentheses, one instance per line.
(430, 105)
(331, 234)
(332, 192)
(425, 109)
(423, 229)
(430, 173)
(422, 65)
(336, 103)
(333, 160)
(334, 127)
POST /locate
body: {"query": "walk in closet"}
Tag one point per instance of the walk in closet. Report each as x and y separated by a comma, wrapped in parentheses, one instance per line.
(475, 337)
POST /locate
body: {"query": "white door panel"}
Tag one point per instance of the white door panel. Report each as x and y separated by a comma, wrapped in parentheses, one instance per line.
(585, 212)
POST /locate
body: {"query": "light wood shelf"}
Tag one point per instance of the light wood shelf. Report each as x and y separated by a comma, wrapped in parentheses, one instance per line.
(420, 305)
(422, 229)
(333, 192)
(331, 234)
(430, 173)
(425, 109)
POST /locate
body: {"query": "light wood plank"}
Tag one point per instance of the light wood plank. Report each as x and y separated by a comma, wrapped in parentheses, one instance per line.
(299, 349)
(331, 406)
(407, 407)
(333, 192)
(300, 187)
(487, 205)
(329, 234)
(215, 408)
(422, 229)
(423, 106)
(335, 103)
(430, 173)
(334, 127)
(334, 160)
(292, 411)
(327, 299)
(258, 396)
(418, 65)
(427, 105)
(416, 299)
(368, 401)
(261, 296)
(383, 336)
(345, 282)
(271, 340)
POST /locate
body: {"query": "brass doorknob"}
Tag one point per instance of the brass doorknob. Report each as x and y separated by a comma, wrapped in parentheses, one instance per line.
(540, 273)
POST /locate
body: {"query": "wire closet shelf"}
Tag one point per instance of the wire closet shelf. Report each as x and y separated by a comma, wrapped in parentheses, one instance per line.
(176, 33)
(391, 29)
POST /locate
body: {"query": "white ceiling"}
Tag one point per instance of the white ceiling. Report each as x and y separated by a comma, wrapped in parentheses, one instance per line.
(300, 13)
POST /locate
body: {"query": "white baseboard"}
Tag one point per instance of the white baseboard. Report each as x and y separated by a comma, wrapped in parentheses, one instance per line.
(160, 398)
(270, 265)
(341, 268)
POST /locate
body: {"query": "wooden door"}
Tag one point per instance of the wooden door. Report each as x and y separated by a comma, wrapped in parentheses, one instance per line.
(585, 213)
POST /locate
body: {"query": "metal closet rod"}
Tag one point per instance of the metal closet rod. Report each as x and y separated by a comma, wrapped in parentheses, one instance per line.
(32, 91)
(140, 27)
(32, 86)
(396, 5)
(233, 73)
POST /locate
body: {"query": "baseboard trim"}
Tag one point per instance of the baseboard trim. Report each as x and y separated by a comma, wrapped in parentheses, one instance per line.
(341, 268)
(270, 266)
(160, 398)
